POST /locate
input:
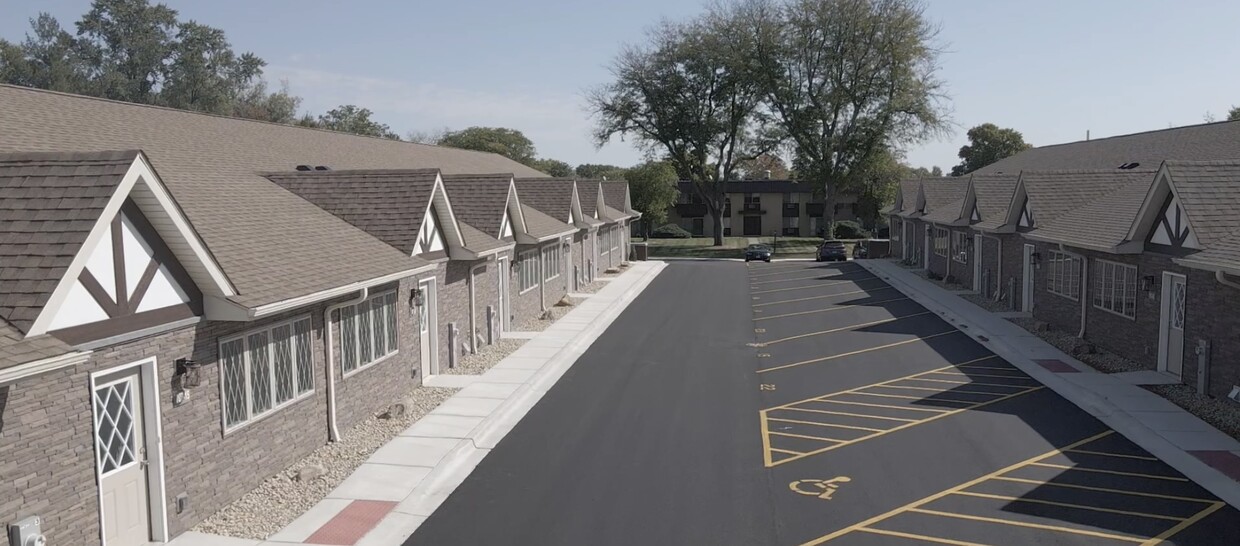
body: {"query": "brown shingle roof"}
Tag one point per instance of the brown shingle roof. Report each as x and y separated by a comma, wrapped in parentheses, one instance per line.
(908, 194)
(1054, 193)
(615, 195)
(1209, 191)
(1102, 223)
(994, 197)
(14, 350)
(553, 196)
(48, 204)
(587, 193)
(479, 200)
(1210, 141)
(272, 245)
(540, 225)
(945, 214)
(388, 204)
(943, 192)
(478, 242)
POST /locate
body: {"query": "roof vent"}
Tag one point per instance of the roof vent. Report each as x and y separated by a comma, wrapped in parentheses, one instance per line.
(322, 168)
(304, 168)
(1129, 166)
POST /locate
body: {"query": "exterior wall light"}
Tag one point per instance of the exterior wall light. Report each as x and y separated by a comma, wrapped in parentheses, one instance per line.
(417, 298)
(1151, 284)
(189, 372)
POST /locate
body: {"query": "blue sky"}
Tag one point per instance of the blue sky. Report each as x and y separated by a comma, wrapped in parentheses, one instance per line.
(1051, 69)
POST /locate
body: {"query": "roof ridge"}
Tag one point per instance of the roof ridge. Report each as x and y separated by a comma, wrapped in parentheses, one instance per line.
(1151, 131)
(221, 116)
(348, 172)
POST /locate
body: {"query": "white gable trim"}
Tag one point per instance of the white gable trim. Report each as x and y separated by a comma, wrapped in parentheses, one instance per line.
(153, 199)
(1148, 224)
(448, 226)
(513, 208)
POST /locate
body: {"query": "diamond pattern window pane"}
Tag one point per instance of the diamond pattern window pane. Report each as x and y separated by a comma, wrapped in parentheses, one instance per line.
(305, 370)
(114, 430)
(389, 301)
(260, 372)
(363, 338)
(1177, 304)
(380, 324)
(348, 339)
(233, 374)
(282, 357)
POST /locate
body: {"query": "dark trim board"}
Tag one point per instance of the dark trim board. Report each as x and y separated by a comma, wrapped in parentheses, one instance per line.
(76, 335)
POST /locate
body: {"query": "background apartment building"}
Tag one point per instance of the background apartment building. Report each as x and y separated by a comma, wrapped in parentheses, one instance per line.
(760, 208)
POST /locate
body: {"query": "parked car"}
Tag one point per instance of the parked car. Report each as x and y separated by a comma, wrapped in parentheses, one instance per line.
(832, 251)
(758, 252)
(861, 250)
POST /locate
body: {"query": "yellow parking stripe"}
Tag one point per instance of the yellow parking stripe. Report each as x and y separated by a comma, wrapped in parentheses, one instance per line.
(903, 408)
(1102, 489)
(846, 414)
(901, 396)
(1120, 455)
(869, 523)
(1066, 505)
(827, 310)
(871, 349)
(814, 277)
(784, 270)
(785, 451)
(1114, 472)
(923, 538)
(833, 283)
(1163, 536)
(866, 291)
(832, 425)
(791, 435)
(940, 390)
(882, 383)
(1021, 376)
(842, 328)
(988, 368)
(968, 383)
(1126, 538)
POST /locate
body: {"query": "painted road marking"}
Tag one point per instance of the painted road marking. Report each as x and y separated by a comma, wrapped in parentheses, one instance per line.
(827, 310)
(866, 291)
(823, 489)
(1112, 472)
(1120, 455)
(923, 507)
(871, 349)
(786, 270)
(805, 416)
(842, 329)
(832, 283)
(810, 278)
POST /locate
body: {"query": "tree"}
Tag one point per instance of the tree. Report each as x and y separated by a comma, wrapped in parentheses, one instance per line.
(766, 166)
(509, 143)
(553, 167)
(988, 143)
(1233, 114)
(350, 118)
(596, 171)
(204, 74)
(652, 188)
(433, 137)
(922, 172)
(847, 80)
(254, 102)
(48, 59)
(683, 95)
(127, 44)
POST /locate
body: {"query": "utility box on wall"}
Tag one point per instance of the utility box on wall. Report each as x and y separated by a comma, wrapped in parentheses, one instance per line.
(27, 532)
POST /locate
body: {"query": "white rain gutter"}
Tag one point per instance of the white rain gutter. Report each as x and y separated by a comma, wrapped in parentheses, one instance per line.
(333, 430)
(1084, 287)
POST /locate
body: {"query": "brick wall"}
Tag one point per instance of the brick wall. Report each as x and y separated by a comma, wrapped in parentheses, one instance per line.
(577, 264)
(1013, 252)
(991, 283)
(1210, 314)
(372, 388)
(529, 303)
(486, 293)
(897, 234)
(938, 264)
(1060, 312)
(453, 279)
(962, 272)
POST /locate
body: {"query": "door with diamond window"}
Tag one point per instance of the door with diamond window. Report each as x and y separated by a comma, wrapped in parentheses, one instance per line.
(1174, 296)
(120, 447)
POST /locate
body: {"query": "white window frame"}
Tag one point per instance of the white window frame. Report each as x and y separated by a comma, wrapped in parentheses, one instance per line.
(940, 240)
(1063, 274)
(551, 262)
(960, 245)
(301, 392)
(605, 233)
(527, 272)
(1115, 288)
(391, 343)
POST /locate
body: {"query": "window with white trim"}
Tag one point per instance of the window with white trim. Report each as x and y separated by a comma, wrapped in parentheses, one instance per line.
(1063, 275)
(527, 271)
(960, 246)
(264, 370)
(940, 242)
(551, 262)
(1115, 288)
(367, 332)
(604, 234)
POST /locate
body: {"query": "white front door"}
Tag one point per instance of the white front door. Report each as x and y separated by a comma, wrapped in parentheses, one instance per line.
(120, 445)
(428, 325)
(1026, 293)
(1171, 332)
(505, 313)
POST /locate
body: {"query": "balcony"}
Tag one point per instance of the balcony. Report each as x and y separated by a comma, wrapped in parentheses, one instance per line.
(691, 210)
(815, 210)
(792, 210)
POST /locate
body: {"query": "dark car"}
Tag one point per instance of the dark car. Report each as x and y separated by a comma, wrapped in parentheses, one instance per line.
(832, 251)
(861, 250)
(758, 252)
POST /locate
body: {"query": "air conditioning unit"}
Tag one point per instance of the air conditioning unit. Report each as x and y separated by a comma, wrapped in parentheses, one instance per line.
(27, 532)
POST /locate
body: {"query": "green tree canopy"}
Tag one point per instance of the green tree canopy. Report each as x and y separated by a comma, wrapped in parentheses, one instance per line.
(652, 188)
(509, 143)
(988, 143)
(596, 171)
(553, 167)
(759, 167)
(1233, 114)
(350, 118)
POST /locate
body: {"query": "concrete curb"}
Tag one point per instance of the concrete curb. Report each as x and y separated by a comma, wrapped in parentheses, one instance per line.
(1097, 405)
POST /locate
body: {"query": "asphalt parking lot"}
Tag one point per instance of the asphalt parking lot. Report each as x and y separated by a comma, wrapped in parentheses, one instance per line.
(805, 403)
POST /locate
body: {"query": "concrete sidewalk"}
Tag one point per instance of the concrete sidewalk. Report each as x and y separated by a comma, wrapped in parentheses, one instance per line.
(402, 483)
(1190, 445)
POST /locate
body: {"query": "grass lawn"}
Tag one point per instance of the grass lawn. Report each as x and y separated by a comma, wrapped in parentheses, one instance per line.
(733, 247)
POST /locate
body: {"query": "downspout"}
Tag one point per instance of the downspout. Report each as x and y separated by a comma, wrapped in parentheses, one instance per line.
(1084, 288)
(333, 430)
(999, 272)
(1222, 279)
(948, 270)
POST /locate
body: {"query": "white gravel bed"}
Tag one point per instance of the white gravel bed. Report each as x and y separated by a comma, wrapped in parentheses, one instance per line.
(592, 287)
(282, 498)
(538, 324)
(1099, 360)
(987, 303)
(487, 356)
(1219, 413)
